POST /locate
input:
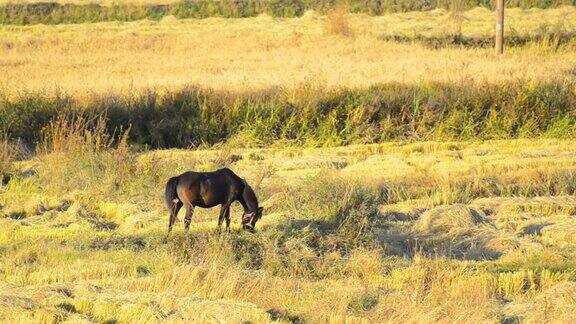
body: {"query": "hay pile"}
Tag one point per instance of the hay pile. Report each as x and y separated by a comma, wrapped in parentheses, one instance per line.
(451, 219)
(557, 302)
(456, 231)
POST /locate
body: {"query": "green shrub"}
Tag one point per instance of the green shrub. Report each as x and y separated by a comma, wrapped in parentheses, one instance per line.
(313, 116)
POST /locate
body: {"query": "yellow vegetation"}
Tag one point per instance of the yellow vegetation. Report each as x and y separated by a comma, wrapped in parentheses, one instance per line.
(393, 232)
(467, 231)
(100, 2)
(263, 52)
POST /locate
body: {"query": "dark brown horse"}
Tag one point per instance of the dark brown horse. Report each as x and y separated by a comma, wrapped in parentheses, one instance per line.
(208, 189)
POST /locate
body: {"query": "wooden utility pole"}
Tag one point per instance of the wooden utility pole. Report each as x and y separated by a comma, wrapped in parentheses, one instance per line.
(499, 26)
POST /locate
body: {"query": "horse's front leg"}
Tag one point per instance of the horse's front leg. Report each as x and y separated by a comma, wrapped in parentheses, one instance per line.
(224, 215)
(221, 218)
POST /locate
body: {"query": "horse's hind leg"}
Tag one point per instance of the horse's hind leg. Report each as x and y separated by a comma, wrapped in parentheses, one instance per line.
(188, 218)
(173, 214)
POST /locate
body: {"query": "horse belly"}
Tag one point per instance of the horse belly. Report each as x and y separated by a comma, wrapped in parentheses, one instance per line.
(210, 195)
(206, 204)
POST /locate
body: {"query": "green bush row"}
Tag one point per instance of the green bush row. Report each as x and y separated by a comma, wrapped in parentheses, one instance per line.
(311, 115)
(56, 13)
(552, 38)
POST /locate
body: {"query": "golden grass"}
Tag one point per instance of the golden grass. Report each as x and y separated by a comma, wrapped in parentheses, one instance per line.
(393, 232)
(446, 248)
(337, 22)
(100, 2)
(7, 155)
(262, 52)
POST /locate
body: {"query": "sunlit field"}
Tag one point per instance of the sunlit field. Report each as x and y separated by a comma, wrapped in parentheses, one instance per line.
(407, 173)
(467, 231)
(264, 52)
(88, 2)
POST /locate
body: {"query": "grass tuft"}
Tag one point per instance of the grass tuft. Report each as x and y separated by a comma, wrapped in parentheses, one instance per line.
(337, 22)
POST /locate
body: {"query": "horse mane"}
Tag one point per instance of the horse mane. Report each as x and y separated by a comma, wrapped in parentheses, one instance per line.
(249, 196)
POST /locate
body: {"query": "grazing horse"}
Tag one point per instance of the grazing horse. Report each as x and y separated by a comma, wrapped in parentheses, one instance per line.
(208, 189)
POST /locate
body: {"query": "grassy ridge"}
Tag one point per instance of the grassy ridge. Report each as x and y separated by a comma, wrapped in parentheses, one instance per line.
(313, 116)
(56, 13)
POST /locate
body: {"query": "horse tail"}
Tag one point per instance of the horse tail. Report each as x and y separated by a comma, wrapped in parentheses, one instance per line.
(170, 193)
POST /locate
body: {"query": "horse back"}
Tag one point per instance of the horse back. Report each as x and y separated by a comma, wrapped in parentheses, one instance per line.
(208, 189)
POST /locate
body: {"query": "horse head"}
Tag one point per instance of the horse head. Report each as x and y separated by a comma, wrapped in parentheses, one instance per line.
(249, 219)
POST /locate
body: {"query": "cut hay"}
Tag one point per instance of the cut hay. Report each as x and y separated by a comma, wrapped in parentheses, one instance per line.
(558, 302)
(455, 231)
(449, 218)
(562, 235)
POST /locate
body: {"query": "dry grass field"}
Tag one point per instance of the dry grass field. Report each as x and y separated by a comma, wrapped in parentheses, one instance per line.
(100, 2)
(468, 215)
(263, 52)
(423, 232)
